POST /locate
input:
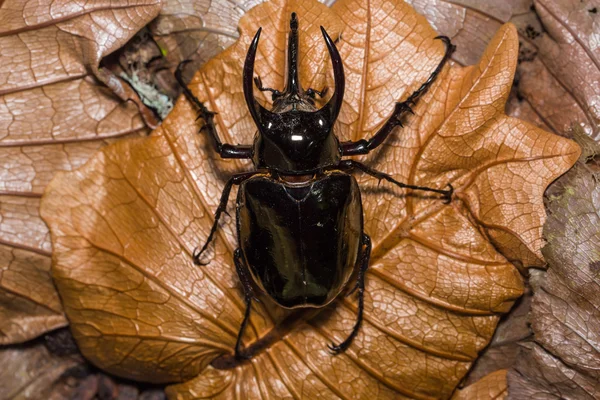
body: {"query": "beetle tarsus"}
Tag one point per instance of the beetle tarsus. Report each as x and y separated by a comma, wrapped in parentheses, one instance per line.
(448, 194)
(360, 286)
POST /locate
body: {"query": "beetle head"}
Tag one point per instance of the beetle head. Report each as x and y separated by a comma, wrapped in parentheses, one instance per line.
(293, 109)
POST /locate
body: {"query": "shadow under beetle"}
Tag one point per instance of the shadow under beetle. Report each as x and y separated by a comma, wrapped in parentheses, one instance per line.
(299, 213)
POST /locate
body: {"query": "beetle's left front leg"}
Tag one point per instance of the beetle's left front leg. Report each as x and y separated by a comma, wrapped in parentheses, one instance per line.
(363, 263)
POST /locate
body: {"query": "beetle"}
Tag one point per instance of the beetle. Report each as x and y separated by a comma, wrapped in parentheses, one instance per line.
(299, 212)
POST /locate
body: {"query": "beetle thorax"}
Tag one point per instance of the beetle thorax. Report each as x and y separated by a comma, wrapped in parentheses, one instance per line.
(295, 137)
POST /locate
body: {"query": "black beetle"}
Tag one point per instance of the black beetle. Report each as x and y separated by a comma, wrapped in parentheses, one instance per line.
(299, 213)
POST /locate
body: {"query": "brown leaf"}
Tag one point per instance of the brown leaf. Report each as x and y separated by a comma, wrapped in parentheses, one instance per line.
(558, 55)
(54, 114)
(34, 373)
(199, 30)
(506, 344)
(124, 226)
(565, 317)
(492, 386)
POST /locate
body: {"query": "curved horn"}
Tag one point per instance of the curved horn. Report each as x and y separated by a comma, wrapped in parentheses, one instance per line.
(255, 108)
(335, 103)
(292, 79)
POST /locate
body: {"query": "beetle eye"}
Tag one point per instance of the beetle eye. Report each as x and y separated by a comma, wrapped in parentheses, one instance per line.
(320, 122)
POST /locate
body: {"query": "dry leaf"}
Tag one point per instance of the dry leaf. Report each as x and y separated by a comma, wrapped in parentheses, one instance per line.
(124, 226)
(554, 85)
(35, 373)
(558, 57)
(199, 30)
(490, 387)
(506, 344)
(54, 115)
(565, 317)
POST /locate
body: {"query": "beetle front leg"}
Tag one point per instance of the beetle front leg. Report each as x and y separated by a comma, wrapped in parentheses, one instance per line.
(363, 263)
(234, 180)
(364, 146)
(242, 272)
(351, 164)
(225, 150)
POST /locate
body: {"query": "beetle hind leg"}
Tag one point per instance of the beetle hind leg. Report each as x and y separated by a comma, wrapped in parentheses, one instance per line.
(248, 297)
(360, 287)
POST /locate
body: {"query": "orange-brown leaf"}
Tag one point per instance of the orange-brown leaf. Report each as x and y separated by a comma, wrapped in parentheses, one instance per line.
(54, 115)
(124, 226)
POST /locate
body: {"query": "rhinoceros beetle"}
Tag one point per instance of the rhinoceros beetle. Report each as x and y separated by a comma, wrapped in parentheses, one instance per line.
(299, 213)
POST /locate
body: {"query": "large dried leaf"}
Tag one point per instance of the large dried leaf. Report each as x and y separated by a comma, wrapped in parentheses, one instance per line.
(565, 317)
(555, 85)
(559, 55)
(54, 114)
(124, 226)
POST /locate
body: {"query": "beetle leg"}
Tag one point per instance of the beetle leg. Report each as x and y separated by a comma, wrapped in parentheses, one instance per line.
(360, 286)
(248, 296)
(351, 164)
(225, 150)
(402, 108)
(222, 208)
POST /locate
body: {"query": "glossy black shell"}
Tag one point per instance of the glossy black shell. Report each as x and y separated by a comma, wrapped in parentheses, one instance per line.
(296, 142)
(300, 241)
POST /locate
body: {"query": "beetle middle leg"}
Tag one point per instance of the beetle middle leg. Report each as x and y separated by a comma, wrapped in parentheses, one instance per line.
(351, 164)
(234, 180)
(363, 264)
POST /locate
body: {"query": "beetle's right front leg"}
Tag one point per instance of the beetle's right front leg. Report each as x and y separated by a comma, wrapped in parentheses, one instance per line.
(242, 272)
(225, 150)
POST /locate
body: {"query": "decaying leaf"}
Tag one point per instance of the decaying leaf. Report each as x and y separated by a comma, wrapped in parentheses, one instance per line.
(54, 114)
(555, 80)
(34, 373)
(565, 318)
(558, 58)
(124, 226)
(199, 30)
(490, 387)
(506, 344)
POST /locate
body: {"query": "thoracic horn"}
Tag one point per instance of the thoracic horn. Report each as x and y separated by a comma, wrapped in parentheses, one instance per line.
(335, 103)
(262, 115)
(293, 80)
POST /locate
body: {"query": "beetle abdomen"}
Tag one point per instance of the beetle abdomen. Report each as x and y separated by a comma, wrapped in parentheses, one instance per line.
(300, 242)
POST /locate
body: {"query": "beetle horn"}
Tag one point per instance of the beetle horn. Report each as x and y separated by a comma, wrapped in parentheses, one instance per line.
(293, 81)
(256, 110)
(335, 103)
